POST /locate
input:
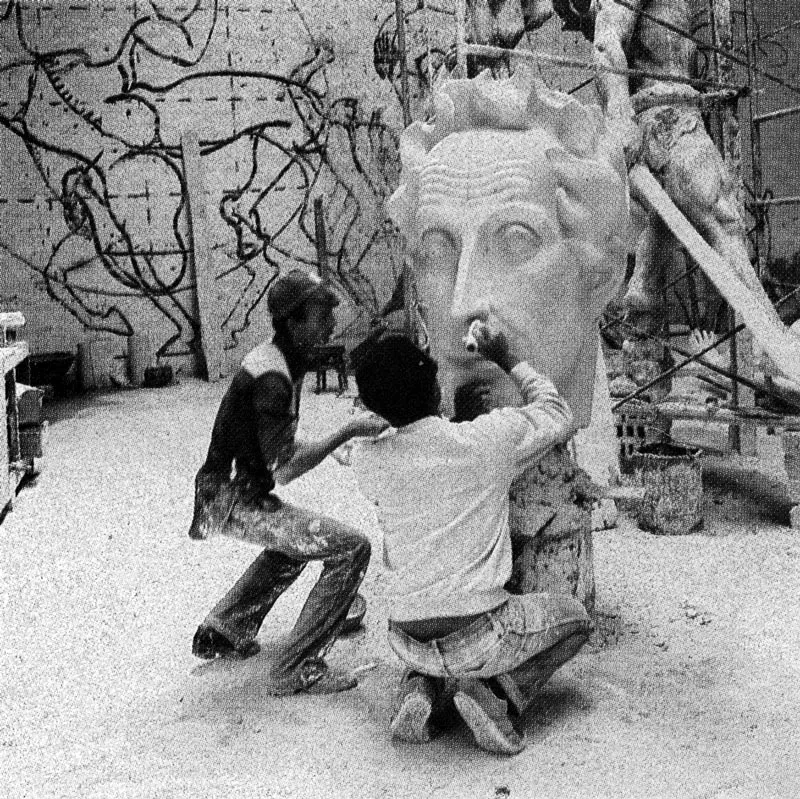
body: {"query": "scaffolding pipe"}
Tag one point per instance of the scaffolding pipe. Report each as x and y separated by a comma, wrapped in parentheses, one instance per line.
(742, 441)
(781, 112)
(489, 51)
(706, 100)
(757, 171)
(777, 201)
(400, 19)
(461, 37)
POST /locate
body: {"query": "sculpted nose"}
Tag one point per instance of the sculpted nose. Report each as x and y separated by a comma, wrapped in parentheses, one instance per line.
(468, 301)
(467, 312)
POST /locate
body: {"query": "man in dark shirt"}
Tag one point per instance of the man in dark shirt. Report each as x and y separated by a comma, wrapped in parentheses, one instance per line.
(252, 446)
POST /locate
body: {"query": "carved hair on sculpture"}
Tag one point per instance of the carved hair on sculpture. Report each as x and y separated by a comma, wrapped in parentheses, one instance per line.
(513, 202)
(519, 103)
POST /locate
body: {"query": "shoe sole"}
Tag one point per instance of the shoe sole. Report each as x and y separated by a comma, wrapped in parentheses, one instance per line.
(411, 722)
(330, 686)
(354, 616)
(228, 654)
(486, 733)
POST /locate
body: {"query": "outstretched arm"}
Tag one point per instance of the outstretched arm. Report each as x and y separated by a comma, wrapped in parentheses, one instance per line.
(543, 421)
(308, 454)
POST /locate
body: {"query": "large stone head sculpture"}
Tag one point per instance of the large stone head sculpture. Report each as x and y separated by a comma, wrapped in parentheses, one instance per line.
(514, 204)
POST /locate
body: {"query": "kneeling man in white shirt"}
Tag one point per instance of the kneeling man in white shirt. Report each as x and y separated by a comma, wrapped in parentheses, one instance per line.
(441, 490)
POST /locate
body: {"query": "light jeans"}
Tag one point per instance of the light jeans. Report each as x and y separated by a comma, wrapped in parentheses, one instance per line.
(520, 644)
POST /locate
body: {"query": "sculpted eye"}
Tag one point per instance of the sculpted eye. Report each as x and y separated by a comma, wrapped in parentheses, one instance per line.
(436, 244)
(516, 239)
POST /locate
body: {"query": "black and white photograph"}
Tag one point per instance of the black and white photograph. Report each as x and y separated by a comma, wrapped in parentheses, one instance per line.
(401, 399)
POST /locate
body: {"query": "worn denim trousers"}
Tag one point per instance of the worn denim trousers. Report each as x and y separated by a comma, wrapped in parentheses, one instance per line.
(520, 644)
(292, 537)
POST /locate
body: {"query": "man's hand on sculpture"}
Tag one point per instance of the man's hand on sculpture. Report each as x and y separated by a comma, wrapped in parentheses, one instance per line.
(493, 345)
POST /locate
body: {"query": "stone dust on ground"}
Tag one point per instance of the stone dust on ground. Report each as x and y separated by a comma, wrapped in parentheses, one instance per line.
(692, 688)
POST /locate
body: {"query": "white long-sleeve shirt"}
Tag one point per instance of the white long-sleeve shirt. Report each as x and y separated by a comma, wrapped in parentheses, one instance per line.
(441, 490)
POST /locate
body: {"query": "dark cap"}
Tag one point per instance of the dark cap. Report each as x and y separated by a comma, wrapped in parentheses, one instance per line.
(294, 288)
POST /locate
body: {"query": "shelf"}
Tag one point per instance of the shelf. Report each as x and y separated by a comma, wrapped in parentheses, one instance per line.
(12, 468)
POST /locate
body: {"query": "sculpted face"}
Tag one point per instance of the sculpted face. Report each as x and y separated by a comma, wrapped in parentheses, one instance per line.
(509, 224)
(488, 243)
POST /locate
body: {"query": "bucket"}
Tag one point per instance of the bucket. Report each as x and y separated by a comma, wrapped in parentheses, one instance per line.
(672, 477)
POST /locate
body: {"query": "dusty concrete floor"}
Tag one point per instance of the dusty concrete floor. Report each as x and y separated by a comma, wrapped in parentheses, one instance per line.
(695, 692)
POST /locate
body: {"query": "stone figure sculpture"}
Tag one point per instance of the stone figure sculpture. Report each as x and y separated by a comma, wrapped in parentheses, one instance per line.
(660, 124)
(513, 203)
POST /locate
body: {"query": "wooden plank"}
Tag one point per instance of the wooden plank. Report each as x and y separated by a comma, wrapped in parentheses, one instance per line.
(690, 411)
(208, 300)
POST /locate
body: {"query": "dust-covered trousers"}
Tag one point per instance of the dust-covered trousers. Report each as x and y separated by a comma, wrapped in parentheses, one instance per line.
(519, 644)
(292, 537)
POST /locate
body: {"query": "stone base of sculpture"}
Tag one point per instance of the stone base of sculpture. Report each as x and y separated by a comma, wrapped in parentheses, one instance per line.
(551, 529)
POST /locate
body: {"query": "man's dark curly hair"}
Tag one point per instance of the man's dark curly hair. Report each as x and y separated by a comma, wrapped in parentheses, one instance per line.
(397, 380)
